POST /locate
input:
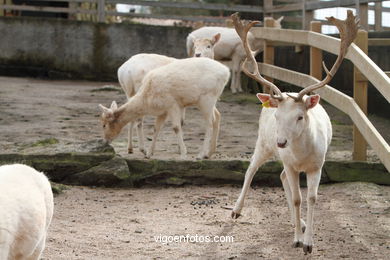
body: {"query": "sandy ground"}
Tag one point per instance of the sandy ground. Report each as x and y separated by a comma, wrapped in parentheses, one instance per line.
(33, 110)
(352, 221)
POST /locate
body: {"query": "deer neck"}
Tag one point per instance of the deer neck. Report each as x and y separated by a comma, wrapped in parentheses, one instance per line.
(130, 111)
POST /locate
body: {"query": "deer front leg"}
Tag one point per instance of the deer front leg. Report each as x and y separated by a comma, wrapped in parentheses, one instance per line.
(216, 124)
(257, 160)
(313, 180)
(296, 199)
(140, 133)
(287, 190)
(157, 127)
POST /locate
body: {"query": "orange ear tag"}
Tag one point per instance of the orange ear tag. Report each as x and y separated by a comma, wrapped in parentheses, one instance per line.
(266, 104)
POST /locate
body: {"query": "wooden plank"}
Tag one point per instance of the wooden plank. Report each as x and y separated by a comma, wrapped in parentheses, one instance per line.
(193, 5)
(208, 19)
(46, 9)
(336, 3)
(369, 69)
(338, 100)
(101, 16)
(378, 42)
(360, 96)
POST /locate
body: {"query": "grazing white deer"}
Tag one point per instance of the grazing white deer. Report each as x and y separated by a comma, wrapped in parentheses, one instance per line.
(297, 128)
(26, 210)
(130, 76)
(228, 46)
(165, 92)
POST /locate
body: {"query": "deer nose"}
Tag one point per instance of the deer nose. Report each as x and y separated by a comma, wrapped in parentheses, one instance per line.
(197, 55)
(283, 144)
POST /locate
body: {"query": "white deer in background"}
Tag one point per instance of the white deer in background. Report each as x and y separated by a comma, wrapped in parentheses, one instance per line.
(228, 46)
(297, 128)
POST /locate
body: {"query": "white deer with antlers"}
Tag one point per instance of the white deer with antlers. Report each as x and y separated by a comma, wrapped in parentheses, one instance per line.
(297, 128)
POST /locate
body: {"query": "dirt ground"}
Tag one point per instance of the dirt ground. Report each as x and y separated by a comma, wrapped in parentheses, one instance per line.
(66, 112)
(352, 221)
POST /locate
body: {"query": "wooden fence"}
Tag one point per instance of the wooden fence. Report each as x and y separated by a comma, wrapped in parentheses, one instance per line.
(365, 70)
(300, 12)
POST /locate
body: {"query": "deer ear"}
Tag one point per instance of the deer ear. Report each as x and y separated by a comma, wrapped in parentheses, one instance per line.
(312, 101)
(216, 38)
(280, 19)
(114, 106)
(103, 108)
(267, 100)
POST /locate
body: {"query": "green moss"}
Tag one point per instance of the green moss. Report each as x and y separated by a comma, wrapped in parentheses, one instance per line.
(58, 188)
(241, 98)
(44, 142)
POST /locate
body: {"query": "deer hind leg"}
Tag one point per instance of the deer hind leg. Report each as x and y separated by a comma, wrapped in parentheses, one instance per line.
(259, 157)
(214, 138)
(296, 199)
(157, 127)
(175, 115)
(287, 190)
(130, 138)
(140, 134)
(313, 180)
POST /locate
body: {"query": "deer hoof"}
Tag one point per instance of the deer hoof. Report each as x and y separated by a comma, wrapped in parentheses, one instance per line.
(129, 150)
(307, 249)
(142, 150)
(297, 244)
(235, 215)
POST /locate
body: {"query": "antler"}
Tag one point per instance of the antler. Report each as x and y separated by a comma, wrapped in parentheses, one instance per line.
(348, 30)
(242, 30)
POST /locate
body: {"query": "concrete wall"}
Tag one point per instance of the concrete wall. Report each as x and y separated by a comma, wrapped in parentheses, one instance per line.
(70, 49)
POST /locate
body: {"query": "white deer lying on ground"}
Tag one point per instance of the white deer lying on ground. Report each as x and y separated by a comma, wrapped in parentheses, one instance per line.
(165, 92)
(26, 210)
(130, 76)
(228, 46)
(296, 128)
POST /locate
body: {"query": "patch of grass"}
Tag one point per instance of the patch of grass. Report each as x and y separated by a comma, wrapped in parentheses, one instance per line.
(58, 188)
(335, 122)
(107, 89)
(241, 98)
(45, 142)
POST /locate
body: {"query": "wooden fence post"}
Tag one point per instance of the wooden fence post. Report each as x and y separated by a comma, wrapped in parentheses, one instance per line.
(362, 13)
(316, 54)
(267, 5)
(307, 16)
(101, 15)
(360, 96)
(378, 16)
(269, 50)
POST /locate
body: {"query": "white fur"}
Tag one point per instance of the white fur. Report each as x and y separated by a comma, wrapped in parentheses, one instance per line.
(166, 91)
(229, 47)
(130, 76)
(26, 210)
(307, 141)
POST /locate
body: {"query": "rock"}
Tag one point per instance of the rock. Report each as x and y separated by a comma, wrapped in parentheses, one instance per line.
(57, 166)
(357, 171)
(96, 146)
(58, 188)
(111, 173)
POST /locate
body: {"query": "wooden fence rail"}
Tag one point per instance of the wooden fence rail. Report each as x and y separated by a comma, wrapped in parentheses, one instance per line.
(348, 105)
(270, 7)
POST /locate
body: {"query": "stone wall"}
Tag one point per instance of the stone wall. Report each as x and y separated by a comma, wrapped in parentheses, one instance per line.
(58, 48)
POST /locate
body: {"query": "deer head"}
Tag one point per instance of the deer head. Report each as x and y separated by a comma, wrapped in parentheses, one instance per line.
(292, 108)
(109, 121)
(204, 47)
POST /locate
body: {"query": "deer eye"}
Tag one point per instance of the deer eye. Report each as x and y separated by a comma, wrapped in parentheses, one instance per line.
(208, 46)
(300, 118)
(104, 126)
